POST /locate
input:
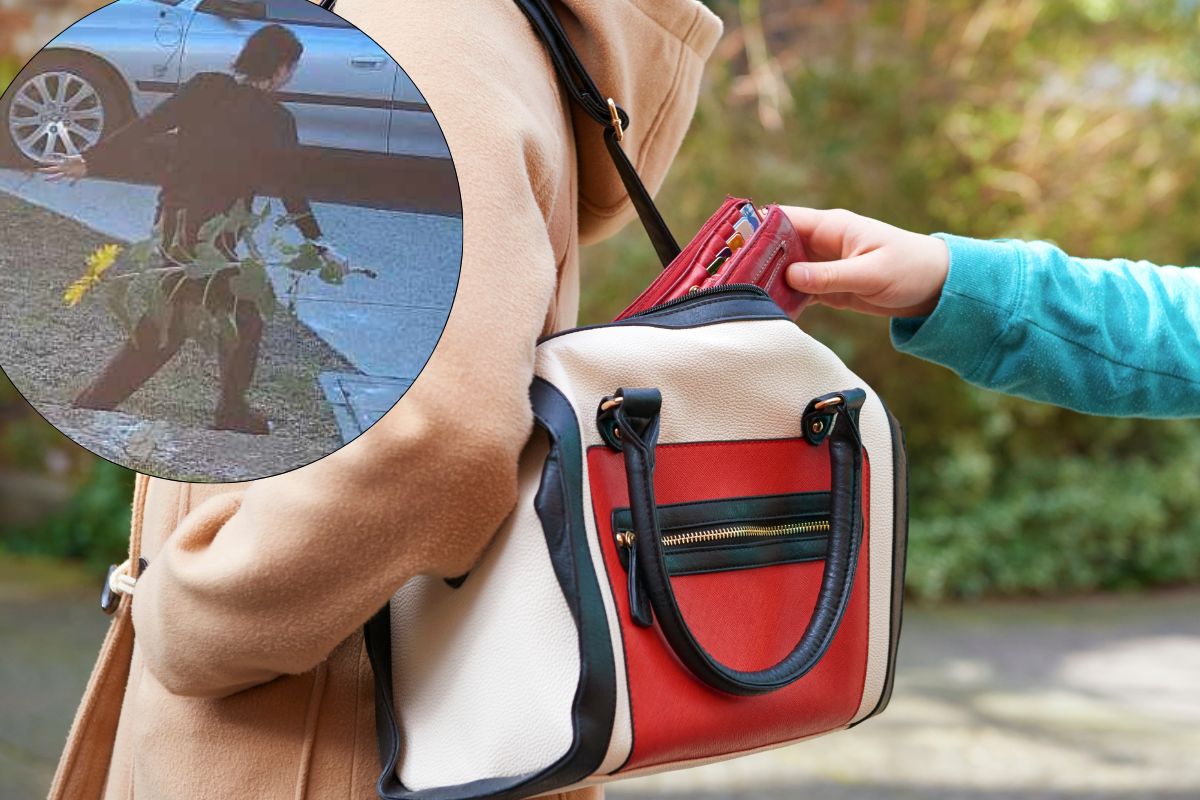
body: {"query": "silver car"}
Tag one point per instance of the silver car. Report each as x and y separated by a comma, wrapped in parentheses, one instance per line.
(122, 60)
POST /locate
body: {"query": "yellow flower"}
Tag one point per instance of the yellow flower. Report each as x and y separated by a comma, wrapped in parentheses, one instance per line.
(97, 263)
(76, 290)
(102, 259)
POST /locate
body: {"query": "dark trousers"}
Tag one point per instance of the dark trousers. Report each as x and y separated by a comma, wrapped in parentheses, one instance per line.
(148, 349)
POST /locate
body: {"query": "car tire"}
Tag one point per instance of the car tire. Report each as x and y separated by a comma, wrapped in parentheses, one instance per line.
(73, 100)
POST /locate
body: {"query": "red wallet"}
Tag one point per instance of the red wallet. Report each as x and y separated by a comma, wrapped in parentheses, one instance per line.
(761, 260)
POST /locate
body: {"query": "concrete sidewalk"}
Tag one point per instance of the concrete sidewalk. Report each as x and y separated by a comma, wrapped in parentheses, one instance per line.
(1095, 699)
(386, 327)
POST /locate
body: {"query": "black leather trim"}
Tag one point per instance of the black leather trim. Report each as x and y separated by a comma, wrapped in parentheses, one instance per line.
(559, 506)
(899, 556)
(639, 422)
(736, 302)
(746, 555)
(741, 553)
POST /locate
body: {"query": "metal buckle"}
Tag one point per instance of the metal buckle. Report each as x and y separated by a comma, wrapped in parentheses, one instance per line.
(616, 119)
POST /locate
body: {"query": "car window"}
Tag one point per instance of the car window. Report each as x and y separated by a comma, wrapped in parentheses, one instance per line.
(302, 12)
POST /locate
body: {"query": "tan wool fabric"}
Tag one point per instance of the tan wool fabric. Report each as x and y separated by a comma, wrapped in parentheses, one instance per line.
(238, 668)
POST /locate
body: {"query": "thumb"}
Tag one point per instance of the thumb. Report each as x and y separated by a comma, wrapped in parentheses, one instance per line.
(860, 275)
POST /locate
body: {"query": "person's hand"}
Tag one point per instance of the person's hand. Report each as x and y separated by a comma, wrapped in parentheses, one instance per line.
(867, 266)
(72, 168)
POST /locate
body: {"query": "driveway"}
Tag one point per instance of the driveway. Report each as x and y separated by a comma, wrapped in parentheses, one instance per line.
(385, 327)
(1094, 699)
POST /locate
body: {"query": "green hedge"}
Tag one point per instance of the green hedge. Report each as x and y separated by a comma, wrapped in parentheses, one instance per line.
(94, 528)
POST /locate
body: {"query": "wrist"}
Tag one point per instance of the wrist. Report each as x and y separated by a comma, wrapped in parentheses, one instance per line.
(933, 269)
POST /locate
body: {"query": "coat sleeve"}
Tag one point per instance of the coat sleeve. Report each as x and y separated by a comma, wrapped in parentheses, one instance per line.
(254, 585)
(294, 201)
(1116, 338)
(166, 116)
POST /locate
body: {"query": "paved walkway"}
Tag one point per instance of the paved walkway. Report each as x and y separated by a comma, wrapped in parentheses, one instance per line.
(1093, 699)
(386, 327)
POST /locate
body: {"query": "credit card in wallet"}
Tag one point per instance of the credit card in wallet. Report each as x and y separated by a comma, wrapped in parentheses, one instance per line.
(721, 258)
(744, 227)
(750, 214)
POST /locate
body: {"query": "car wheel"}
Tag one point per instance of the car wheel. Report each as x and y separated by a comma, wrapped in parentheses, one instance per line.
(59, 106)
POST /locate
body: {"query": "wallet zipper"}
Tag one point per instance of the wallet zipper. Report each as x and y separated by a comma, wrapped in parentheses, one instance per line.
(689, 297)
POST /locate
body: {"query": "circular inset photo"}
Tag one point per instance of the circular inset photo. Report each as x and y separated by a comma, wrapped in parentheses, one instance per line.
(232, 235)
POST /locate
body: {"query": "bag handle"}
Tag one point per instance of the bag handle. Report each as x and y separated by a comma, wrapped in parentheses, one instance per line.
(583, 90)
(637, 418)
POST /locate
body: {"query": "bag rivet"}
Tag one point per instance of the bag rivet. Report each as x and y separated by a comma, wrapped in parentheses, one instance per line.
(818, 426)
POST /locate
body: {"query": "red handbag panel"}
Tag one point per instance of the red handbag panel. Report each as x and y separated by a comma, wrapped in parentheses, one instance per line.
(747, 618)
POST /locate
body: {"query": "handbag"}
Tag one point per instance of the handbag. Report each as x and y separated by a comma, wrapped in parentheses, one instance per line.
(707, 555)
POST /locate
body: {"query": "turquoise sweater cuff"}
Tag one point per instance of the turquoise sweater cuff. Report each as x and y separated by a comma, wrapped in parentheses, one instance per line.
(983, 293)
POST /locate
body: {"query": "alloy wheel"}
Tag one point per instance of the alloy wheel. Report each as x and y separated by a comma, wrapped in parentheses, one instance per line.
(54, 115)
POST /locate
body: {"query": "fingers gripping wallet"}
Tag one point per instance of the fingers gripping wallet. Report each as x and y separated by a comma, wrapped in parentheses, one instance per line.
(707, 554)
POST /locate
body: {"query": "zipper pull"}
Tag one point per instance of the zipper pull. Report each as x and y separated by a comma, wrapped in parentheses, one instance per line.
(639, 603)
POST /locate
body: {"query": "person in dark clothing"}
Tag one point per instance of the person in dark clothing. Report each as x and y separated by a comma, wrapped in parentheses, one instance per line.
(232, 139)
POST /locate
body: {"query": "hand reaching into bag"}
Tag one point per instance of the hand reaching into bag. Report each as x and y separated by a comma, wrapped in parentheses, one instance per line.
(867, 266)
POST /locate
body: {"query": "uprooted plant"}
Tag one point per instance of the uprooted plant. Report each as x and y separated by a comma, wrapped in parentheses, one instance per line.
(156, 270)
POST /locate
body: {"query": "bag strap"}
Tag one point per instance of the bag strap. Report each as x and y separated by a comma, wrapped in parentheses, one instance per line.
(587, 95)
(612, 117)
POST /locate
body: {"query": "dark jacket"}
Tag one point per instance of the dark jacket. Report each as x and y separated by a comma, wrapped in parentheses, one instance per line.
(233, 141)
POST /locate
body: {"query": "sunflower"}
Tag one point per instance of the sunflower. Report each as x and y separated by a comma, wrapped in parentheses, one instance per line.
(97, 263)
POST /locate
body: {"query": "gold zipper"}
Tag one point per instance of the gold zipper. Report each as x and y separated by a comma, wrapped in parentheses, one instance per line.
(733, 532)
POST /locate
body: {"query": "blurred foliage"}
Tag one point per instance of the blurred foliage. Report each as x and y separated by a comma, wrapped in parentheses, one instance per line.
(8, 71)
(1074, 121)
(94, 524)
(93, 528)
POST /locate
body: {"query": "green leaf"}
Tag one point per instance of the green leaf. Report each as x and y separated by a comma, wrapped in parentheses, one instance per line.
(331, 272)
(213, 228)
(160, 313)
(267, 302)
(308, 260)
(208, 261)
(251, 281)
(142, 254)
(240, 218)
(116, 297)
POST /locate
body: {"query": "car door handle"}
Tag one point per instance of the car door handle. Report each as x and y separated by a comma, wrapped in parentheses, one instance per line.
(367, 62)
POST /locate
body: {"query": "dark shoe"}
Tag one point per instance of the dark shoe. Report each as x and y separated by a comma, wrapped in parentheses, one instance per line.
(244, 420)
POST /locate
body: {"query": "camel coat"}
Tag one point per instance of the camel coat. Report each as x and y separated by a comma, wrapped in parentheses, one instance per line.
(237, 669)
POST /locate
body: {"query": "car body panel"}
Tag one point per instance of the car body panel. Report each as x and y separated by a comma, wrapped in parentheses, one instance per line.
(347, 94)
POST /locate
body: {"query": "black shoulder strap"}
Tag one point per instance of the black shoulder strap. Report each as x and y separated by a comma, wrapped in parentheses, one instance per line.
(583, 90)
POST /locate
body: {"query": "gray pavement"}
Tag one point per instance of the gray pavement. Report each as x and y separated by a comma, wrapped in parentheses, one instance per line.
(1092, 699)
(385, 327)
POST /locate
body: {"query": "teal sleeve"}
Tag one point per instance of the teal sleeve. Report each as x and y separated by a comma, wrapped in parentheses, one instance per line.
(1117, 338)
